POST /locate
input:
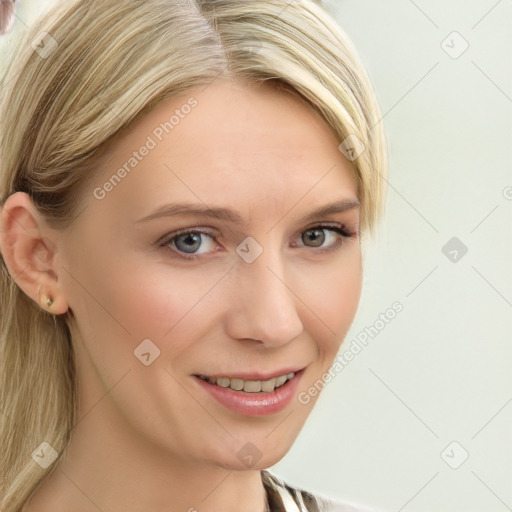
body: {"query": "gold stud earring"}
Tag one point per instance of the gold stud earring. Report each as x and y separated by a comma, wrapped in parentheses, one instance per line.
(49, 301)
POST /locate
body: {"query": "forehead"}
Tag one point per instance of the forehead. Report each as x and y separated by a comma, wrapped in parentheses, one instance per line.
(231, 143)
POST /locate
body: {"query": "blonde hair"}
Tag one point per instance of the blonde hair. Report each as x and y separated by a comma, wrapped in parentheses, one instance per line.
(110, 63)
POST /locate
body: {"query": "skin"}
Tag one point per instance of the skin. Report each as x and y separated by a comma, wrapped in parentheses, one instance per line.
(148, 437)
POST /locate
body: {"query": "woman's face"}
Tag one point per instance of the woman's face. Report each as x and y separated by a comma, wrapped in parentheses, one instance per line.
(256, 291)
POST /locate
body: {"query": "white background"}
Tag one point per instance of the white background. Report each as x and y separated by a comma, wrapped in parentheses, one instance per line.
(441, 370)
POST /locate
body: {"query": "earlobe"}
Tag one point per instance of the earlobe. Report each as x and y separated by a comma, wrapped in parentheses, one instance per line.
(29, 253)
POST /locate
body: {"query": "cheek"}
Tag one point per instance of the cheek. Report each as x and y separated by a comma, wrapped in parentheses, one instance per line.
(168, 306)
(333, 297)
(154, 302)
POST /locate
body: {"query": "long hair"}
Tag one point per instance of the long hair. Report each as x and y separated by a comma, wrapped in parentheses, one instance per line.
(86, 70)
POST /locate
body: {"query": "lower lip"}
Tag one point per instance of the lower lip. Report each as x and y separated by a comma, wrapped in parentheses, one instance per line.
(253, 404)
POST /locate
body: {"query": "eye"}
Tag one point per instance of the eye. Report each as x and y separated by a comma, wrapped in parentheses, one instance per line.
(318, 235)
(189, 243)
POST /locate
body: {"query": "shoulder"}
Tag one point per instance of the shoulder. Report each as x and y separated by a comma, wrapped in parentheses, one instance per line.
(283, 497)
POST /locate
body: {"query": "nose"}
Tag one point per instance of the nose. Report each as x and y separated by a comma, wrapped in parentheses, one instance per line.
(262, 305)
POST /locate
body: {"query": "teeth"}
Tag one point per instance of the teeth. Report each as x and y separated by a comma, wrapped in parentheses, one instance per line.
(237, 384)
(250, 386)
(223, 382)
(268, 385)
(281, 380)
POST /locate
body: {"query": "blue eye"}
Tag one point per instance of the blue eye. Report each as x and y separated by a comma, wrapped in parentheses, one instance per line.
(189, 244)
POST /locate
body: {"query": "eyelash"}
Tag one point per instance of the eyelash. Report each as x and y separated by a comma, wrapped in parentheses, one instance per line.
(339, 229)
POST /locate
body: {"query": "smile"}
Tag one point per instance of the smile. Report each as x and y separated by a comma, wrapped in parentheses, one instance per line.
(249, 386)
(252, 396)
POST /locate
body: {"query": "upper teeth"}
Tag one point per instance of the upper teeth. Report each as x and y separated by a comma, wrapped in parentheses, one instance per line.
(250, 386)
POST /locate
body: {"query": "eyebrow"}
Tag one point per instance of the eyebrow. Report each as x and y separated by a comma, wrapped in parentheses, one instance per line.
(234, 216)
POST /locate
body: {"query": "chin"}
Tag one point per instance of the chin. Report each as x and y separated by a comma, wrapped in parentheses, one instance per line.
(249, 457)
(237, 465)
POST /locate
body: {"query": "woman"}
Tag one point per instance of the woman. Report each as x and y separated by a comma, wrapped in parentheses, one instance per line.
(184, 188)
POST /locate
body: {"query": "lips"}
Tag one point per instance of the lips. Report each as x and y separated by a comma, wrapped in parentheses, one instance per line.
(252, 399)
(250, 385)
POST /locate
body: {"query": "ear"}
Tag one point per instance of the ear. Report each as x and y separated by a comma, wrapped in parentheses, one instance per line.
(29, 249)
